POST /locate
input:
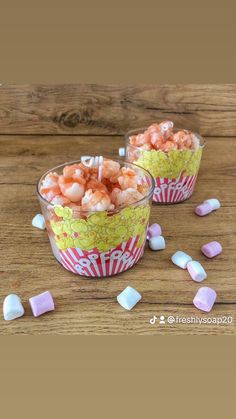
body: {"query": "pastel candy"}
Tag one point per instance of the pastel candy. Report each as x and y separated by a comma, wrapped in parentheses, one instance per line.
(205, 299)
(41, 303)
(211, 249)
(39, 221)
(12, 307)
(214, 203)
(154, 230)
(203, 209)
(181, 259)
(128, 298)
(157, 243)
(196, 271)
(121, 151)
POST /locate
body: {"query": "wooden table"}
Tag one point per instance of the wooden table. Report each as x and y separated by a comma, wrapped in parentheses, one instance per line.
(89, 306)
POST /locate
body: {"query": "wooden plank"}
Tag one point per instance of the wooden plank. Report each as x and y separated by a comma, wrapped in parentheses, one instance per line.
(88, 306)
(113, 109)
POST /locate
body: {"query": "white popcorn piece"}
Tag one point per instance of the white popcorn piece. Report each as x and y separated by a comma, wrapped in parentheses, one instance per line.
(128, 298)
(39, 222)
(157, 243)
(12, 307)
(214, 203)
(181, 259)
(122, 151)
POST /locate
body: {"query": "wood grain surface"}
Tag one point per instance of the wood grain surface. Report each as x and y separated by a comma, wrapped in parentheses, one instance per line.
(113, 109)
(89, 306)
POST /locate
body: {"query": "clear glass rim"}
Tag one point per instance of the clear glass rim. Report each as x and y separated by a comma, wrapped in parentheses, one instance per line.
(142, 129)
(122, 163)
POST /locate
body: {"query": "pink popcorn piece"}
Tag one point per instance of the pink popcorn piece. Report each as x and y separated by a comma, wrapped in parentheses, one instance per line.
(205, 299)
(154, 230)
(41, 303)
(211, 249)
(203, 209)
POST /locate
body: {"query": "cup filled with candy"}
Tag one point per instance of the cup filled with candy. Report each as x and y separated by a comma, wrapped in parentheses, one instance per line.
(96, 212)
(171, 155)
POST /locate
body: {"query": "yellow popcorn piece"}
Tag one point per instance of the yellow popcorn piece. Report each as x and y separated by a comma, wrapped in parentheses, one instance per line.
(64, 212)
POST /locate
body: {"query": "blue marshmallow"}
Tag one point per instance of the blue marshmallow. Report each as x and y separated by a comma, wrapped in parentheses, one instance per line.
(128, 298)
(12, 307)
(181, 259)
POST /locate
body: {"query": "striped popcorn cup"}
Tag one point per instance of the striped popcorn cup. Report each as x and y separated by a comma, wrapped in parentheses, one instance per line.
(175, 172)
(100, 243)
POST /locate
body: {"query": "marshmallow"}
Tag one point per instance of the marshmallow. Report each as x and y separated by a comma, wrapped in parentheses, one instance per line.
(128, 298)
(41, 303)
(211, 249)
(205, 299)
(181, 259)
(157, 243)
(39, 221)
(203, 209)
(214, 203)
(196, 271)
(122, 151)
(154, 230)
(12, 307)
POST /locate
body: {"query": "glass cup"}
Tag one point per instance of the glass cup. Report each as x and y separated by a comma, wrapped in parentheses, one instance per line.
(98, 244)
(175, 172)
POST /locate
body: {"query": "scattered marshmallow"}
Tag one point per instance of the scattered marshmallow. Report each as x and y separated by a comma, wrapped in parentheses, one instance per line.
(214, 203)
(203, 209)
(12, 307)
(157, 243)
(211, 249)
(196, 271)
(205, 299)
(128, 298)
(154, 230)
(122, 151)
(181, 259)
(39, 222)
(41, 303)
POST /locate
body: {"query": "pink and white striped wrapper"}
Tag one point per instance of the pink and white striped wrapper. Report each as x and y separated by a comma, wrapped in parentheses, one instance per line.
(95, 264)
(174, 190)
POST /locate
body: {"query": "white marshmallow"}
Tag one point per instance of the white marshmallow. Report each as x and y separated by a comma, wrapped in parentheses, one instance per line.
(12, 307)
(181, 259)
(214, 203)
(121, 151)
(39, 222)
(128, 298)
(157, 243)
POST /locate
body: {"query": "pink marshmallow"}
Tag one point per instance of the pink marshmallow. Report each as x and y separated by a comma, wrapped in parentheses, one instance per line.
(205, 299)
(203, 209)
(196, 271)
(154, 230)
(211, 249)
(41, 303)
